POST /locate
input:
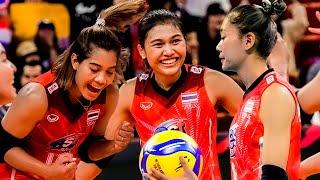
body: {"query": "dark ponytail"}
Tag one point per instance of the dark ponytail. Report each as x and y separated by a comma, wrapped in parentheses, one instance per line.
(256, 19)
(276, 7)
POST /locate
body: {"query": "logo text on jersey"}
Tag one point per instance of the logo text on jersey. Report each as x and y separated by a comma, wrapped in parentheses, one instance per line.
(53, 87)
(233, 139)
(65, 143)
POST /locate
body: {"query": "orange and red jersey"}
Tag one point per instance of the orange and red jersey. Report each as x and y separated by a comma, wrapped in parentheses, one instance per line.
(185, 107)
(246, 133)
(63, 127)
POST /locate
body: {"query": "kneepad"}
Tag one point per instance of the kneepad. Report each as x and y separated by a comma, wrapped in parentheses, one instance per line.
(7, 142)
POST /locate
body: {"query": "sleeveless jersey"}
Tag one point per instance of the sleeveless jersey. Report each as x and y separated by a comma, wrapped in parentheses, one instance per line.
(188, 109)
(246, 133)
(59, 131)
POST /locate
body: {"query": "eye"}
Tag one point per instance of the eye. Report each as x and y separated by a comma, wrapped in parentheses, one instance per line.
(111, 72)
(94, 70)
(157, 45)
(176, 41)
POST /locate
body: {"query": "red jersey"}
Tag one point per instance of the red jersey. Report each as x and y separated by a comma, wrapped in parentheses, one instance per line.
(246, 133)
(62, 129)
(185, 107)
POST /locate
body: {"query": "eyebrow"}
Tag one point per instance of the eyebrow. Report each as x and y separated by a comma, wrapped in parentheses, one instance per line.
(98, 65)
(174, 36)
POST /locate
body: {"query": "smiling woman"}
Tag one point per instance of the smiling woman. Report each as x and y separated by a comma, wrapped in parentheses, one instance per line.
(170, 92)
(57, 119)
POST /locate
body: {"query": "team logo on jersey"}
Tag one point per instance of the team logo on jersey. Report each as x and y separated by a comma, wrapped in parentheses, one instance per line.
(53, 87)
(232, 139)
(65, 143)
(146, 105)
(196, 70)
(93, 116)
(143, 77)
(270, 79)
(171, 124)
(52, 118)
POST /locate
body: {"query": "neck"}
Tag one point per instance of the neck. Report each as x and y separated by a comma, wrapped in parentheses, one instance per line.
(166, 82)
(251, 69)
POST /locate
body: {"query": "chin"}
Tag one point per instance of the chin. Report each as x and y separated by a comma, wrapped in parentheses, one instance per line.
(91, 96)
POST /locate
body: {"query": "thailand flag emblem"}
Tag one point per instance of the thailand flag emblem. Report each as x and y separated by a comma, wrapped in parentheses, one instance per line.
(92, 116)
(189, 98)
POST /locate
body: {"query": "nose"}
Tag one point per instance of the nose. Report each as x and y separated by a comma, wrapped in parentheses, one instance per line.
(101, 78)
(104, 79)
(13, 66)
(168, 51)
(218, 47)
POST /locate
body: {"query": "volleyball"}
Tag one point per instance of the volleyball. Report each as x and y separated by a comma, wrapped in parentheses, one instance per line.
(162, 152)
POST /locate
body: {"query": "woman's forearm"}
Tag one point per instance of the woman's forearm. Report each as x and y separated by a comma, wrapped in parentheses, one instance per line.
(21, 160)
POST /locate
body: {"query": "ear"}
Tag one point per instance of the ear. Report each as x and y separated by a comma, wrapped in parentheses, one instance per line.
(141, 51)
(249, 40)
(74, 61)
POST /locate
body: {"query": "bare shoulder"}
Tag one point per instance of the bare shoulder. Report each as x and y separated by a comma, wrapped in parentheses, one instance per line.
(278, 93)
(27, 110)
(213, 77)
(129, 87)
(33, 93)
(219, 82)
(277, 102)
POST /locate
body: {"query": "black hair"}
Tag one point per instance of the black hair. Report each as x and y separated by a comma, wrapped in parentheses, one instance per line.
(154, 18)
(257, 19)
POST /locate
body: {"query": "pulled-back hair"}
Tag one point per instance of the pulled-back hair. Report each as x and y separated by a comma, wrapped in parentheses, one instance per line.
(100, 35)
(257, 19)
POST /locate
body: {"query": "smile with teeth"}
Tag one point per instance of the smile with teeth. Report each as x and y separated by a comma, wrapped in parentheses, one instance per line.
(169, 61)
(93, 89)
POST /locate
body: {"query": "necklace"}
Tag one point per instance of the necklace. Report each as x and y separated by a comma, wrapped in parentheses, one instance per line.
(85, 107)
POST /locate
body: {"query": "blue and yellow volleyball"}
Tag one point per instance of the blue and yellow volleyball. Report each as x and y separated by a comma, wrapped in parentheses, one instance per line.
(162, 152)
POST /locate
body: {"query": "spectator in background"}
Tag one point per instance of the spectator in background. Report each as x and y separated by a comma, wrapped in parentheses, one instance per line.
(293, 31)
(29, 63)
(47, 43)
(83, 13)
(209, 37)
(29, 72)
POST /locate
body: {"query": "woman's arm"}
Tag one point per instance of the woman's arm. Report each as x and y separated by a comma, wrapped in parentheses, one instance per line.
(277, 110)
(224, 90)
(122, 112)
(310, 166)
(26, 111)
(309, 97)
(119, 134)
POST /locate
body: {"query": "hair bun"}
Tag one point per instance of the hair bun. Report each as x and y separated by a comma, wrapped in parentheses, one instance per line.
(276, 7)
